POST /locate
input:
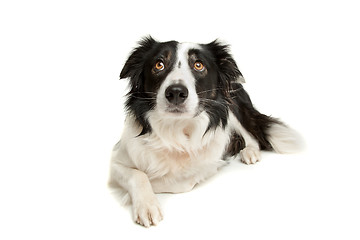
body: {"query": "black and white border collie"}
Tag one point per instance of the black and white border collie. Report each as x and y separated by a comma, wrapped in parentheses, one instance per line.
(187, 114)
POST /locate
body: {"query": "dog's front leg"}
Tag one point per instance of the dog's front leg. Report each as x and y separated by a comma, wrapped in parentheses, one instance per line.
(146, 207)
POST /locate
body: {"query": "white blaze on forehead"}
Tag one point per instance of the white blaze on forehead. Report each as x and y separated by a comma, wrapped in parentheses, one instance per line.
(183, 53)
(182, 71)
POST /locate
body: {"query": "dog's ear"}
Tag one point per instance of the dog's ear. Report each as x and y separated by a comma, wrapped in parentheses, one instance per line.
(134, 65)
(229, 71)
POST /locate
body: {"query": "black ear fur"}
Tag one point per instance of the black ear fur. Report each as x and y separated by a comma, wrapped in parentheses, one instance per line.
(229, 71)
(133, 67)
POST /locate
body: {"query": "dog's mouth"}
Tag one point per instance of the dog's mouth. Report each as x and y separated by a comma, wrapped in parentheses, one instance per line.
(176, 109)
(180, 112)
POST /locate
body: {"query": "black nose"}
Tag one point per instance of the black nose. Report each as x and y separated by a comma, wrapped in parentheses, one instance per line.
(176, 94)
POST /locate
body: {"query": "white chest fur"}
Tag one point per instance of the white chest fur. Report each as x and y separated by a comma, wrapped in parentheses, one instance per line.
(177, 154)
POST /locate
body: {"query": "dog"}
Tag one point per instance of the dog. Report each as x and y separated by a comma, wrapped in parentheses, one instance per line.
(187, 115)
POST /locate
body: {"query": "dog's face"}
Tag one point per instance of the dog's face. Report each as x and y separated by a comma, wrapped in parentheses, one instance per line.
(179, 79)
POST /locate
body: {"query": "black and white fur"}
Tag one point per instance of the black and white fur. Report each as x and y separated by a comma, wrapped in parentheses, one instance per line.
(187, 114)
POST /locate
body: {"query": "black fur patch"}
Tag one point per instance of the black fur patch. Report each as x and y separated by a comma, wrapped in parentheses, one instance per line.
(256, 123)
(237, 143)
(213, 87)
(143, 82)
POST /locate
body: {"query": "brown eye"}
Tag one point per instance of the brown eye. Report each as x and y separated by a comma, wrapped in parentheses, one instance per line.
(159, 66)
(198, 66)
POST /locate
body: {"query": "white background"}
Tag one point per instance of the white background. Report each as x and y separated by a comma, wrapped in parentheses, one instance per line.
(61, 112)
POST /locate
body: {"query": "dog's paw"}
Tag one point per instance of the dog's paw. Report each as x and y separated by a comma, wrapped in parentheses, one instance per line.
(147, 212)
(250, 155)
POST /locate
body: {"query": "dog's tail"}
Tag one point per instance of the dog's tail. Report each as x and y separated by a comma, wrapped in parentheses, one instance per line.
(284, 139)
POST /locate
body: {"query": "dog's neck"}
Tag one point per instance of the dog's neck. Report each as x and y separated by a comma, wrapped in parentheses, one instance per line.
(178, 134)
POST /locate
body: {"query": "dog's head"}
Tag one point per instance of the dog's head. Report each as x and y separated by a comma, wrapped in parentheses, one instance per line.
(179, 80)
